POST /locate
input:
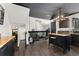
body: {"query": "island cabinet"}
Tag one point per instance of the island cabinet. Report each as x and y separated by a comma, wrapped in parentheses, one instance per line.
(7, 46)
(75, 39)
(62, 41)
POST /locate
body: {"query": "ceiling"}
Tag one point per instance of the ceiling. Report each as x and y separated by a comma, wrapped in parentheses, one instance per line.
(42, 10)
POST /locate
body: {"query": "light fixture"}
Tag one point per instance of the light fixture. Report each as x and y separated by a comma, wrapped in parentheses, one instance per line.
(60, 15)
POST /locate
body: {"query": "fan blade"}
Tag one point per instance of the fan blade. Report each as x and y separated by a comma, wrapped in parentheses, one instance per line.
(71, 14)
(53, 16)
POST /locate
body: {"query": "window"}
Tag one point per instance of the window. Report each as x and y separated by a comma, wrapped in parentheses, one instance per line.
(1, 15)
(64, 23)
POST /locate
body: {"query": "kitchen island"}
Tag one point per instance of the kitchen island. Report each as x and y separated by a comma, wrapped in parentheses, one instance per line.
(60, 40)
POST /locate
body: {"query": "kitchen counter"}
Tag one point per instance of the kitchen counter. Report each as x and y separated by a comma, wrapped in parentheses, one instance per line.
(75, 33)
(59, 34)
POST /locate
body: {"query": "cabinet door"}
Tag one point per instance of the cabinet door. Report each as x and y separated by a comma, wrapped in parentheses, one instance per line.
(4, 51)
(7, 50)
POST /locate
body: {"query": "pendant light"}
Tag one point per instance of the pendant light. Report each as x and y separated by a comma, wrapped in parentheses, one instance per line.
(60, 16)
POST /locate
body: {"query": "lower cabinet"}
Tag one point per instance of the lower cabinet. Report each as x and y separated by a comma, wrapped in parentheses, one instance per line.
(75, 39)
(8, 49)
(62, 42)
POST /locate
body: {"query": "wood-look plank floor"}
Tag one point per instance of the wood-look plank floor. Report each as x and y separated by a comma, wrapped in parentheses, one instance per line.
(41, 48)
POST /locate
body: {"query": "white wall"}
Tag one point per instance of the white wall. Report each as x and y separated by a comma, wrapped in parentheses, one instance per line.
(39, 24)
(5, 29)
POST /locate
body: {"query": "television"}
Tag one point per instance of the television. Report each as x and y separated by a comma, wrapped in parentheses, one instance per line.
(1, 15)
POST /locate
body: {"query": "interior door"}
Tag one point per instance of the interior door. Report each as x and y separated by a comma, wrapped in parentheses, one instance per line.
(53, 27)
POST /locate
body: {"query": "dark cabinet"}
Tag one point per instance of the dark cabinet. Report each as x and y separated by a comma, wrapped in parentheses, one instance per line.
(8, 49)
(61, 42)
(75, 39)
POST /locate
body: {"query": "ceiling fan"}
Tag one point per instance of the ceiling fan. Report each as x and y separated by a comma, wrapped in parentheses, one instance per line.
(61, 15)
